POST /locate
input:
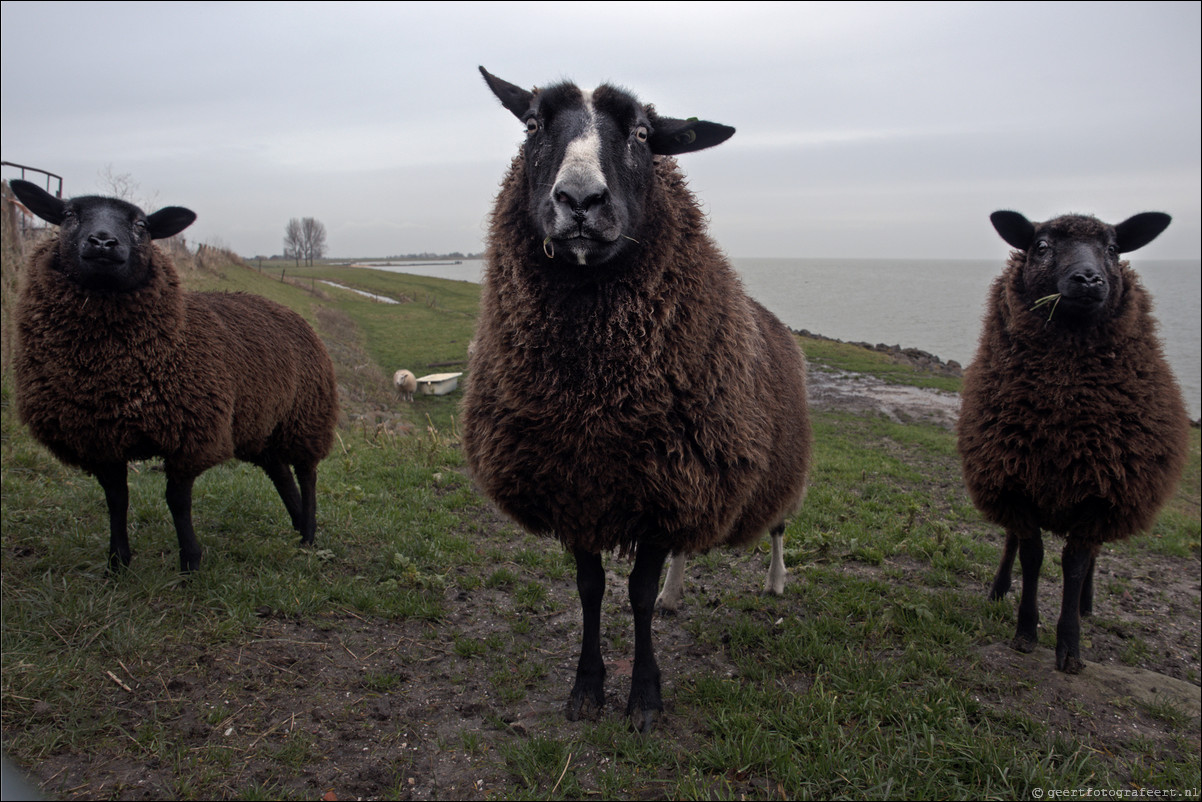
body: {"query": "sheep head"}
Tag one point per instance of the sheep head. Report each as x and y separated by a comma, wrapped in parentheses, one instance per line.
(103, 243)
(589, 159)
(1074, 259)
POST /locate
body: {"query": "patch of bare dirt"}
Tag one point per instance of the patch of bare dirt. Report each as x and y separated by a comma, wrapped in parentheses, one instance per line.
(864, 394)
(373, 709)
(1109, 701)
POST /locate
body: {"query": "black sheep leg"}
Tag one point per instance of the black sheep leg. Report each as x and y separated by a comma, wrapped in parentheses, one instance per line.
(179, 501)
(1077, 563)
(588, 694)
(285, 485)
(1087, 589)
(307, 474)
(1001, 582)
(645, 703)
(1030, 554)
(112, 478)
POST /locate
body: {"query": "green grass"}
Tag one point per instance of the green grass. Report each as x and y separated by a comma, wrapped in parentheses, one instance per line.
(428, 333)
(832, 355)
(863, 681)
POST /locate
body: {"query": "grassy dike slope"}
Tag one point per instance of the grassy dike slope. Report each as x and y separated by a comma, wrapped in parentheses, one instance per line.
(425, 647)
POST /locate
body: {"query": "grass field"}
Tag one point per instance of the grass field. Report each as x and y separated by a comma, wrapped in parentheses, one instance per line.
(425, 647)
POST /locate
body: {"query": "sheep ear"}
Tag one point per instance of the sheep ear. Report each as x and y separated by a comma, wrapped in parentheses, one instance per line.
(169, 221)
(674, 136)
(1016, 230)
(514, 98)
(39, 201)
(1136, 232)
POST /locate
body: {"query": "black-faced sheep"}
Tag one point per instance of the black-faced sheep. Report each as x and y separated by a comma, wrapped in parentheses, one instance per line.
(115, 362)
(405, 383)
(1071, 419)
(624, 392)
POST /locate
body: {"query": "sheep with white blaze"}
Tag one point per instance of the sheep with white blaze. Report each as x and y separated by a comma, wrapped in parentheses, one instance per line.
(115, 362)
(1071, 419)
(624, 393)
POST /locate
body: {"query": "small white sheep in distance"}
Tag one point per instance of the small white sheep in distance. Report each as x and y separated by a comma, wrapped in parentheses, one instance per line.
(625, 393)
(405, 383)
(1071, 420)
(115, 362)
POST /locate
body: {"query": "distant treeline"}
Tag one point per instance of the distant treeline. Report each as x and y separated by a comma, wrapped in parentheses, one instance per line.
(403, 257)
(410, 257)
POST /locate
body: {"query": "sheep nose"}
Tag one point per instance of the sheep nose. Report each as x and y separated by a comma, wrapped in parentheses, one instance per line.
(102, 240)
(1087, 276)
(581, 196)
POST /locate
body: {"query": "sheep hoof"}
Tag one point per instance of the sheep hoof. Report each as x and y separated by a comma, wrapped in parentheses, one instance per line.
(645, 705)
(664, 608)
(643, 717)
(584, 704)
(1069, 663)
(1023, 644)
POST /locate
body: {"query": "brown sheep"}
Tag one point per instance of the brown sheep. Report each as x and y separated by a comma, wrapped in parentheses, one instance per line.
(1071, 419)
(624, 393)
(115, 362)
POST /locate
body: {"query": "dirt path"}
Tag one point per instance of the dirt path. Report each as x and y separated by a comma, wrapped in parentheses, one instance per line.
(861, 393)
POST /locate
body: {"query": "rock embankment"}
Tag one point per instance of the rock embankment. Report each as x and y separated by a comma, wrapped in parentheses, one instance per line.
(907, 356)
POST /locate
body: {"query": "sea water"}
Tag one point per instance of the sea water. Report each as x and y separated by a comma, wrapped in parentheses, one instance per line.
(935, 305)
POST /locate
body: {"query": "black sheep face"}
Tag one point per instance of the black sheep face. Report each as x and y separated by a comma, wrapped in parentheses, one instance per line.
(589, 163)
(1074, 259)
(103, 243)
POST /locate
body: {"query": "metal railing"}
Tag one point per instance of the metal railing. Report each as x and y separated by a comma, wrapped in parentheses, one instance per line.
(49, 176)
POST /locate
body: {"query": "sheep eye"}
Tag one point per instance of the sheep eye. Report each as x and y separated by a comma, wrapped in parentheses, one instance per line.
(532, 126)
(1112, 250)
(1042, 246)
(641, 133)
(140, 223)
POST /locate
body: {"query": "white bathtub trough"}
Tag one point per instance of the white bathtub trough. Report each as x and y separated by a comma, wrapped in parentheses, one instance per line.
(438, 383)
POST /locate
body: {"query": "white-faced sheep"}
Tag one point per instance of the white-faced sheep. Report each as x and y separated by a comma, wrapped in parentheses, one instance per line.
(115, 362)
(1071, 419)
(624, 393)
(405, 383)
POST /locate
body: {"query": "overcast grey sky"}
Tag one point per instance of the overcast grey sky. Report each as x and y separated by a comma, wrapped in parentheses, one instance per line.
(864, 130)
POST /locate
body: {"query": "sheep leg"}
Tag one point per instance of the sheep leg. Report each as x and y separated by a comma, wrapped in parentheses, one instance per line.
(1087, 589)
(668, 600)
(307, 474)
(1076, 562)
(112, 478)
(645, 704)
(1030, 554)
(179, 501)
(281, 476)
(1001, 582)
(588, 694)
(775, 581)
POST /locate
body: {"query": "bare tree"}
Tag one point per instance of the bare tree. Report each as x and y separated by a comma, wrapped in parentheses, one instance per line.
(123, 186)
(294, 240)
(304, 238)
(313, 235)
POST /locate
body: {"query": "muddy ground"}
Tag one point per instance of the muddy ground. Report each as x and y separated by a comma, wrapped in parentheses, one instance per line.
(383, 707)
